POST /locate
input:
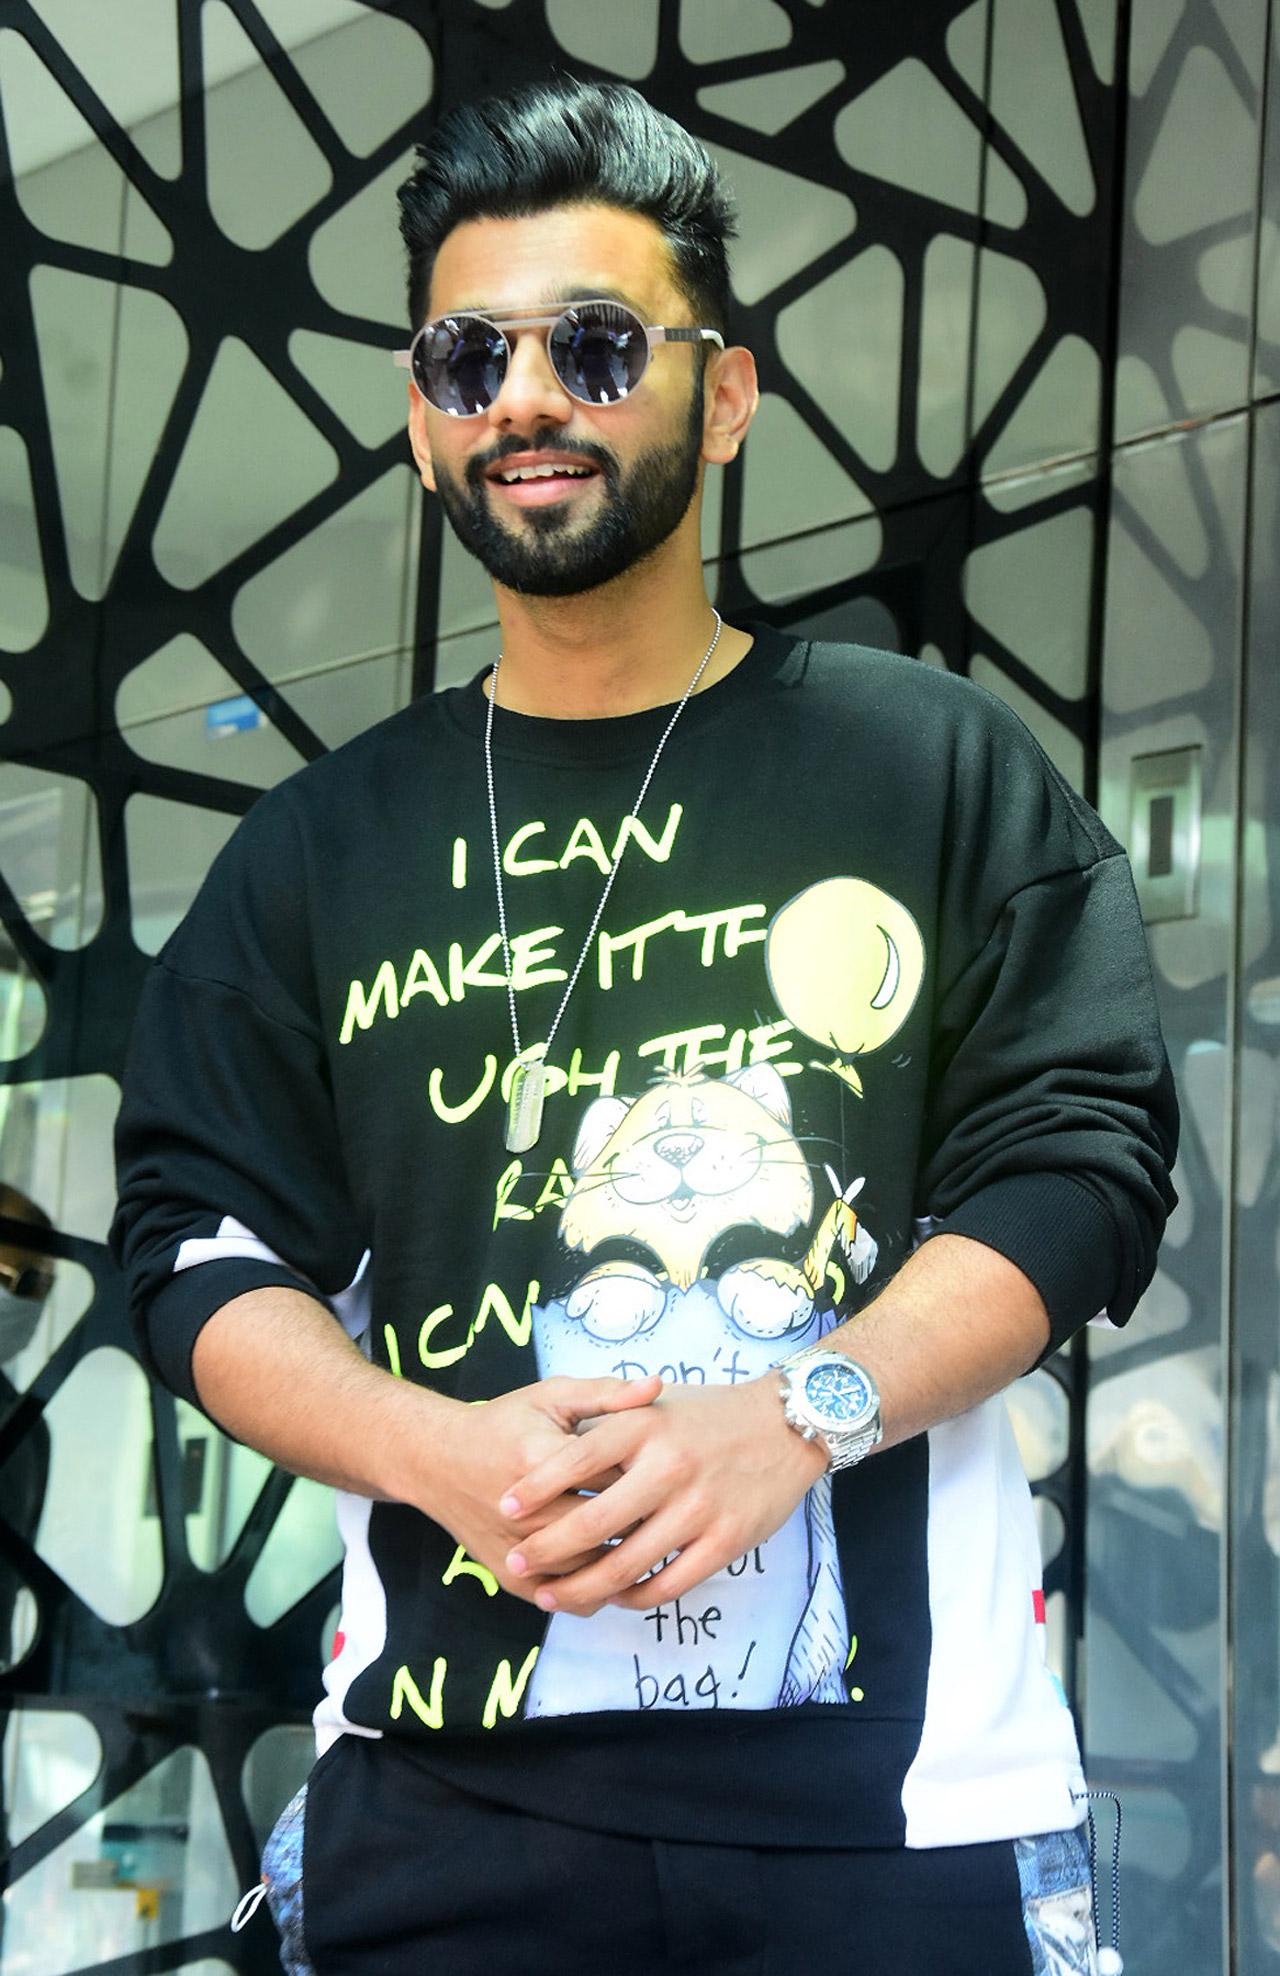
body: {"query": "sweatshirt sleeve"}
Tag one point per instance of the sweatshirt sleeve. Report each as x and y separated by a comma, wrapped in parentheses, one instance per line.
(230, 1172)
(1053, 1123)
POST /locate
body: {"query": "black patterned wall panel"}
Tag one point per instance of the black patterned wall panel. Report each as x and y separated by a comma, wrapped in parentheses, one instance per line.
(215, 562)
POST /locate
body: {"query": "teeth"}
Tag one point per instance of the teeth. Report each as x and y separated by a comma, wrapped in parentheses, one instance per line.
(540, 473)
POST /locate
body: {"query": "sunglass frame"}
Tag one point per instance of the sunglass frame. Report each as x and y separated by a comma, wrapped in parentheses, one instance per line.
(501, 320)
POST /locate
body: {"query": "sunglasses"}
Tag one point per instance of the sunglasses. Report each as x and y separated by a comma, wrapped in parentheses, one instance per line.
(599, 350)
(25, 1280)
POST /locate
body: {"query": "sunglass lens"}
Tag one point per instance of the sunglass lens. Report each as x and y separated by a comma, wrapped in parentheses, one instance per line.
(459, 364)
(599, 352)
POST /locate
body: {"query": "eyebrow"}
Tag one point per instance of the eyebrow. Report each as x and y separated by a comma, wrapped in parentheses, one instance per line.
(558, 298)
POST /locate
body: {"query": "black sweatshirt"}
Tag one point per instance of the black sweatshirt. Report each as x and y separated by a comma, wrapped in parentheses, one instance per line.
(869, 969)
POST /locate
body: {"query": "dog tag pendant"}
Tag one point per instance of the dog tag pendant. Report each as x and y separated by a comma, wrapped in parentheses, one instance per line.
(524, 1106)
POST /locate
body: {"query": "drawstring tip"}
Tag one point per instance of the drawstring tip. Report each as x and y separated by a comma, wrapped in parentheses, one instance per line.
(1110, 1963)
(247, 1905)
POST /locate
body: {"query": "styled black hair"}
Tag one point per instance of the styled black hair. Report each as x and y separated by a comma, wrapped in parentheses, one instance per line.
(563, 143)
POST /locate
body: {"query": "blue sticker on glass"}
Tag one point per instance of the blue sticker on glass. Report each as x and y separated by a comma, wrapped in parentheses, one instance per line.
(232, 716)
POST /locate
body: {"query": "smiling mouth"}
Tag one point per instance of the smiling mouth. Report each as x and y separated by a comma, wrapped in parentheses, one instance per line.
(510, 476)
(542, 491)
(534, 483)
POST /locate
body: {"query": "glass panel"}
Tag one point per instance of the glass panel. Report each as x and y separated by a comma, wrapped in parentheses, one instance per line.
(50, 1756)
(69, 1298)
(1032, 587)
(251, 459)
(339, 593)
(1034, 100)
(369, 74)
(343, 701)
(1155, 1670)
(24, 600)
(49, 852)
(1012, 311)
(152, 1867)
(785, 222)
(1193, 161)
(274, 1769)
(232, 738)
(67, 183)
(799, 565)
(946, 336)
(623, 41)
(710, 30)
(792, 483)
(130, 61)
(96, 1530)
(860, 304)
(304, 1544)
(1058, 413)
(357, 259)
(225, 1479)
(1037, 1408)
(768, 103)
(55, 1147)
(1098, 19)
(1255, 1589)
(908, 130)
(1266, 375)
(150, 357)
(355, 379)
(1051, 1528)
(23, 1009)
(183, 675)
(264, 169)
(171, 846)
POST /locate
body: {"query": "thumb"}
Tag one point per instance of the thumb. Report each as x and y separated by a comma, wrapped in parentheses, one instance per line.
(576, 1400)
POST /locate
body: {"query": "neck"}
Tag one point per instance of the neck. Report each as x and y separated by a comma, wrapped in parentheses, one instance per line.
(631, 644)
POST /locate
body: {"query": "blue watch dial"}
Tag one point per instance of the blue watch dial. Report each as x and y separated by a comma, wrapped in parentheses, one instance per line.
(840, 1394)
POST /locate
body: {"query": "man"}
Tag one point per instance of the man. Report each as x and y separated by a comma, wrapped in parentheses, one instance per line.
(676, 1001)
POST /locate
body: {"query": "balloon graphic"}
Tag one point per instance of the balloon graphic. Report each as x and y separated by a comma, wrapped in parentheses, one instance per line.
(845, 962)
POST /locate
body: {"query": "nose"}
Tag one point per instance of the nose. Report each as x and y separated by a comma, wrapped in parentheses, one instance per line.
(531, 394)
(678, 1147)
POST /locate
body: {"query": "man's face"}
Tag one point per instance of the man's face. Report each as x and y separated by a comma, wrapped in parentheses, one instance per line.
(561, 536)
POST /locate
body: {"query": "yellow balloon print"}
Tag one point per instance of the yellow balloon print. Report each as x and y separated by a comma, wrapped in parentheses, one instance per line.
(845, 962)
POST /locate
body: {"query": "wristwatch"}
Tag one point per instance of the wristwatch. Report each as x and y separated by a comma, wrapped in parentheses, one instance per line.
(829, 1397)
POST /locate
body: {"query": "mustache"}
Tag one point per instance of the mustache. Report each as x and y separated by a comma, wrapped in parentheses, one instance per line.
(483, 464)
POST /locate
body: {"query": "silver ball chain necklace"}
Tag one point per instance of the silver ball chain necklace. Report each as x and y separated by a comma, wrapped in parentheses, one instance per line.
(529, 1070)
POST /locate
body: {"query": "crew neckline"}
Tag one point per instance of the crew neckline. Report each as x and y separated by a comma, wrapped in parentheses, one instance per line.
(614, 738)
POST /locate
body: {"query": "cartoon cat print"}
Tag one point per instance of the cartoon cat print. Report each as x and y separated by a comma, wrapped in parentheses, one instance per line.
(672, 1171)
(678, 1167)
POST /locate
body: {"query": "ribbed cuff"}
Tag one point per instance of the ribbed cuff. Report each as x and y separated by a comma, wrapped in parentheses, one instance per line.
(175, 1318)
(1058, 1233)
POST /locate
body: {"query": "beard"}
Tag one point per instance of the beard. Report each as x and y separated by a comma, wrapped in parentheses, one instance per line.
(548, 553)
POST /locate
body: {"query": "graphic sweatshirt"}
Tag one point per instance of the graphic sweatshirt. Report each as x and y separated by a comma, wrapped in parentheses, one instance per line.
(869, 970)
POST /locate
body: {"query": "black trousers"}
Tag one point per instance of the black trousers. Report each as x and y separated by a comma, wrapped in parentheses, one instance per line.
(434, 1882)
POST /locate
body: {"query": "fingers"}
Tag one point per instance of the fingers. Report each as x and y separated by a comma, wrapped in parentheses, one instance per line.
(596, 1520)
(579, 1464)
(613, 1578)
(694, 1565)
(575, 1400)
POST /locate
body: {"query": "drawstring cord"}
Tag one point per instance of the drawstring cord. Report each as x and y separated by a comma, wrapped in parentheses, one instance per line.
(247, 1905)
(1110, 1961)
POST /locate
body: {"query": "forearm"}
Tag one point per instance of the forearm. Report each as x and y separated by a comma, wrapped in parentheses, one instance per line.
(957, 1324)
(274, 1369)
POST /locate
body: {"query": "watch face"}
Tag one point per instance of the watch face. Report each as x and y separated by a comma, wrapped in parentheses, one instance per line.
(840, 1395)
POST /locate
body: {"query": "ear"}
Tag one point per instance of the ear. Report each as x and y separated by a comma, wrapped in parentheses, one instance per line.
(732, 395)
(419, 438)
(762, 1082)
(599, 1123)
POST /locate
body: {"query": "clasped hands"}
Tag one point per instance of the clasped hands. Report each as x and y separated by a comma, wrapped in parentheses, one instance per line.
(685, 1480)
